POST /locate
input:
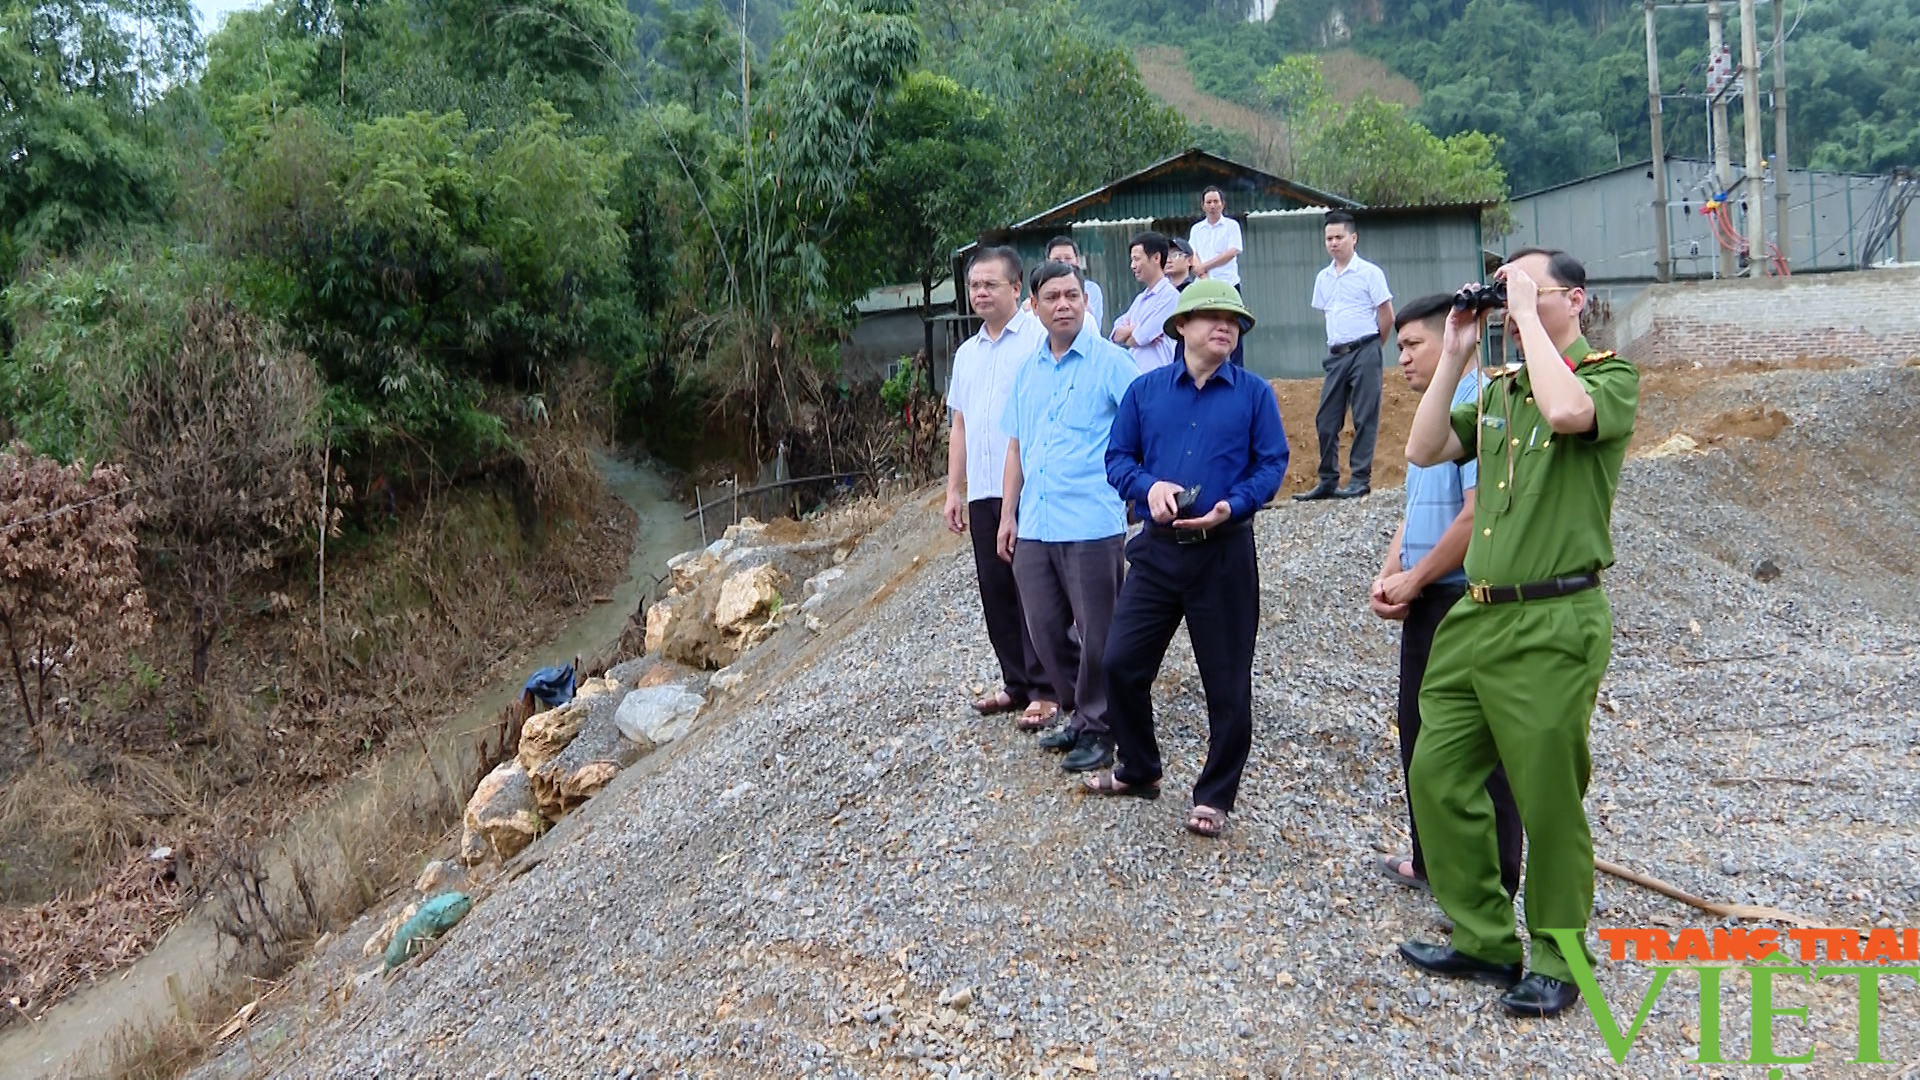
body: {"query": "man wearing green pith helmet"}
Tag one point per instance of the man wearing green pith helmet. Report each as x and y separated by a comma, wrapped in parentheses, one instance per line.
(1514, 672)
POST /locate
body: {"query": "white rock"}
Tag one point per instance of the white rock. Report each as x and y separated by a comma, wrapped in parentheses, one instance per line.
(658, 715)
(746, 597)
(824, 580)
(435, 876)
(503, 810)
(724, 680)
(746, 530)
(660, 616)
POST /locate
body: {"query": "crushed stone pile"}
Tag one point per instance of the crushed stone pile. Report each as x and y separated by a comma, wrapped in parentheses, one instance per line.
(849, 874)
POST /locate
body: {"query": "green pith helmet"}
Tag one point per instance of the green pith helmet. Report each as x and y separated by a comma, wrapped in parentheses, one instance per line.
(1209, 295)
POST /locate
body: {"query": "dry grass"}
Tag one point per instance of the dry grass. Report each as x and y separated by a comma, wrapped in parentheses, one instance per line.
(1164, 70)
(1349, 75)
(418, 620)
(49, 949)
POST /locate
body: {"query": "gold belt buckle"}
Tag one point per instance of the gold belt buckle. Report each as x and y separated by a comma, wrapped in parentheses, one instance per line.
(1480, 593)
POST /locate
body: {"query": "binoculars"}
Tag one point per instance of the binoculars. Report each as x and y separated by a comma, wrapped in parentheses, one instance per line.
(1477, 298)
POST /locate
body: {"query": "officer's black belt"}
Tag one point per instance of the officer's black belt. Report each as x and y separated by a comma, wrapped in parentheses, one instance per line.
(1346, 347)
(1196, 536)
(1537, 590)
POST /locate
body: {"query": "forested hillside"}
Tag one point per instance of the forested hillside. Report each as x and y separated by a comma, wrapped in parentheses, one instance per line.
(1562, 83)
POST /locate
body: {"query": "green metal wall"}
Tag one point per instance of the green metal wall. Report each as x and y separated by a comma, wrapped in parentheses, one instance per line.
(1420, 254)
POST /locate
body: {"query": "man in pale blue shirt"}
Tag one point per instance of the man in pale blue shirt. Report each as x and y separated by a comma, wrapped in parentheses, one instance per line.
(1062, 526)
(1422, 579)
(1064, 249)
(1353, 294)
(1143, 328)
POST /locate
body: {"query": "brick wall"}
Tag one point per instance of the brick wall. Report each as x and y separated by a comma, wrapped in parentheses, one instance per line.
(1867, 316)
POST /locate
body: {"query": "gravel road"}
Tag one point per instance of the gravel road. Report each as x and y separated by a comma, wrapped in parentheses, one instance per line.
(857, 877)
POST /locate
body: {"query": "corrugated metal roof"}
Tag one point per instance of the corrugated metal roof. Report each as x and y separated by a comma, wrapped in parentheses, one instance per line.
(1191, 156)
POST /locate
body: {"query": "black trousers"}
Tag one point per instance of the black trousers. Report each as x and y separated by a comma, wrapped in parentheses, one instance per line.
(1352, 383)
(1215, 586)
(1020, 669)
(1416, 644)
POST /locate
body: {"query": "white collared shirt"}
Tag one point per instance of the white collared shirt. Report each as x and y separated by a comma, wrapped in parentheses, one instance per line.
(1351, 299)
(1209, 240)
(983, 372)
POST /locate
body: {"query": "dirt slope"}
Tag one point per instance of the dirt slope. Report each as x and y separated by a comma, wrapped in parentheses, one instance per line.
(1164, 69)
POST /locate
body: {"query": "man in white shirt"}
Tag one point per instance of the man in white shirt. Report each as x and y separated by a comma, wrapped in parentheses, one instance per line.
(1216, 245)
(984, 369)
(1353, 295)
(1143, 328)
(1216, 241)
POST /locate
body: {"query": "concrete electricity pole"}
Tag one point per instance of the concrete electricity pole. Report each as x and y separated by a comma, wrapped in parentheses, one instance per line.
(1722, 134)
(1781, 177)
(1663, 247)
(1754, 191)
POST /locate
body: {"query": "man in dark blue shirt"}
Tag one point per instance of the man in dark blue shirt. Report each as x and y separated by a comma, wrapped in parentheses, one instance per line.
(1196, 447)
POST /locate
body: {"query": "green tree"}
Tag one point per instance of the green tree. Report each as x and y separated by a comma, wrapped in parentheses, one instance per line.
(939, 177)
(75, 78)
(1372, 151)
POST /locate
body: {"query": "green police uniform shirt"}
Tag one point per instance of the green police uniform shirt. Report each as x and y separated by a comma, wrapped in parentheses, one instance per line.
(1551, 514)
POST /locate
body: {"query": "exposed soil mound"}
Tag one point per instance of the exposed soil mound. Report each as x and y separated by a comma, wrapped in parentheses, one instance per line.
(1758, 422)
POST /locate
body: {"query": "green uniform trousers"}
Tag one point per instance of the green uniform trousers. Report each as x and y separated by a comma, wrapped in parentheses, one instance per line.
(1514, 684)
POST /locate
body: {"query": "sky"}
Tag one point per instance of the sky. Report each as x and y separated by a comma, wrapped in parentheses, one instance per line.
(209, 11)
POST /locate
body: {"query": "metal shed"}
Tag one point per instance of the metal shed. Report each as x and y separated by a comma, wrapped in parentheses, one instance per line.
(1607, 221)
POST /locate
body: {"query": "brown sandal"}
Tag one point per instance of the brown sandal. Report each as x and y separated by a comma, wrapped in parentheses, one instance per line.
(1105, 783)
(1038, 717)
(997, 702)
(1206, 821)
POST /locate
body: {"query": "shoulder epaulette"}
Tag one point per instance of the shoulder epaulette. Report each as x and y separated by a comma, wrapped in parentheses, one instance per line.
(1596, 357)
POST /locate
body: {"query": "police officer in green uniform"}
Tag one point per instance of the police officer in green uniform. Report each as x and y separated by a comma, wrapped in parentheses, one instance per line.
(1514, 672)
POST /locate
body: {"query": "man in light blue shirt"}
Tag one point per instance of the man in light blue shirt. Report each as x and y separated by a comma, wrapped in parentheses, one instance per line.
(1061, 526)
(1422, 579)
(1143, 328)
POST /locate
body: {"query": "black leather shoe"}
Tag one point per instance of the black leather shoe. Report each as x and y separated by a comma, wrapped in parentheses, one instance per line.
(1538, 995)
(1353, 491)
(1323, 490)
(1089, 753)
(1442, 960)
(1060, 739)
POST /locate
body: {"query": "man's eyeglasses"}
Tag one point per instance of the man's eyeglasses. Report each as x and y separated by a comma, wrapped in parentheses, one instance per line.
(1544, 289)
